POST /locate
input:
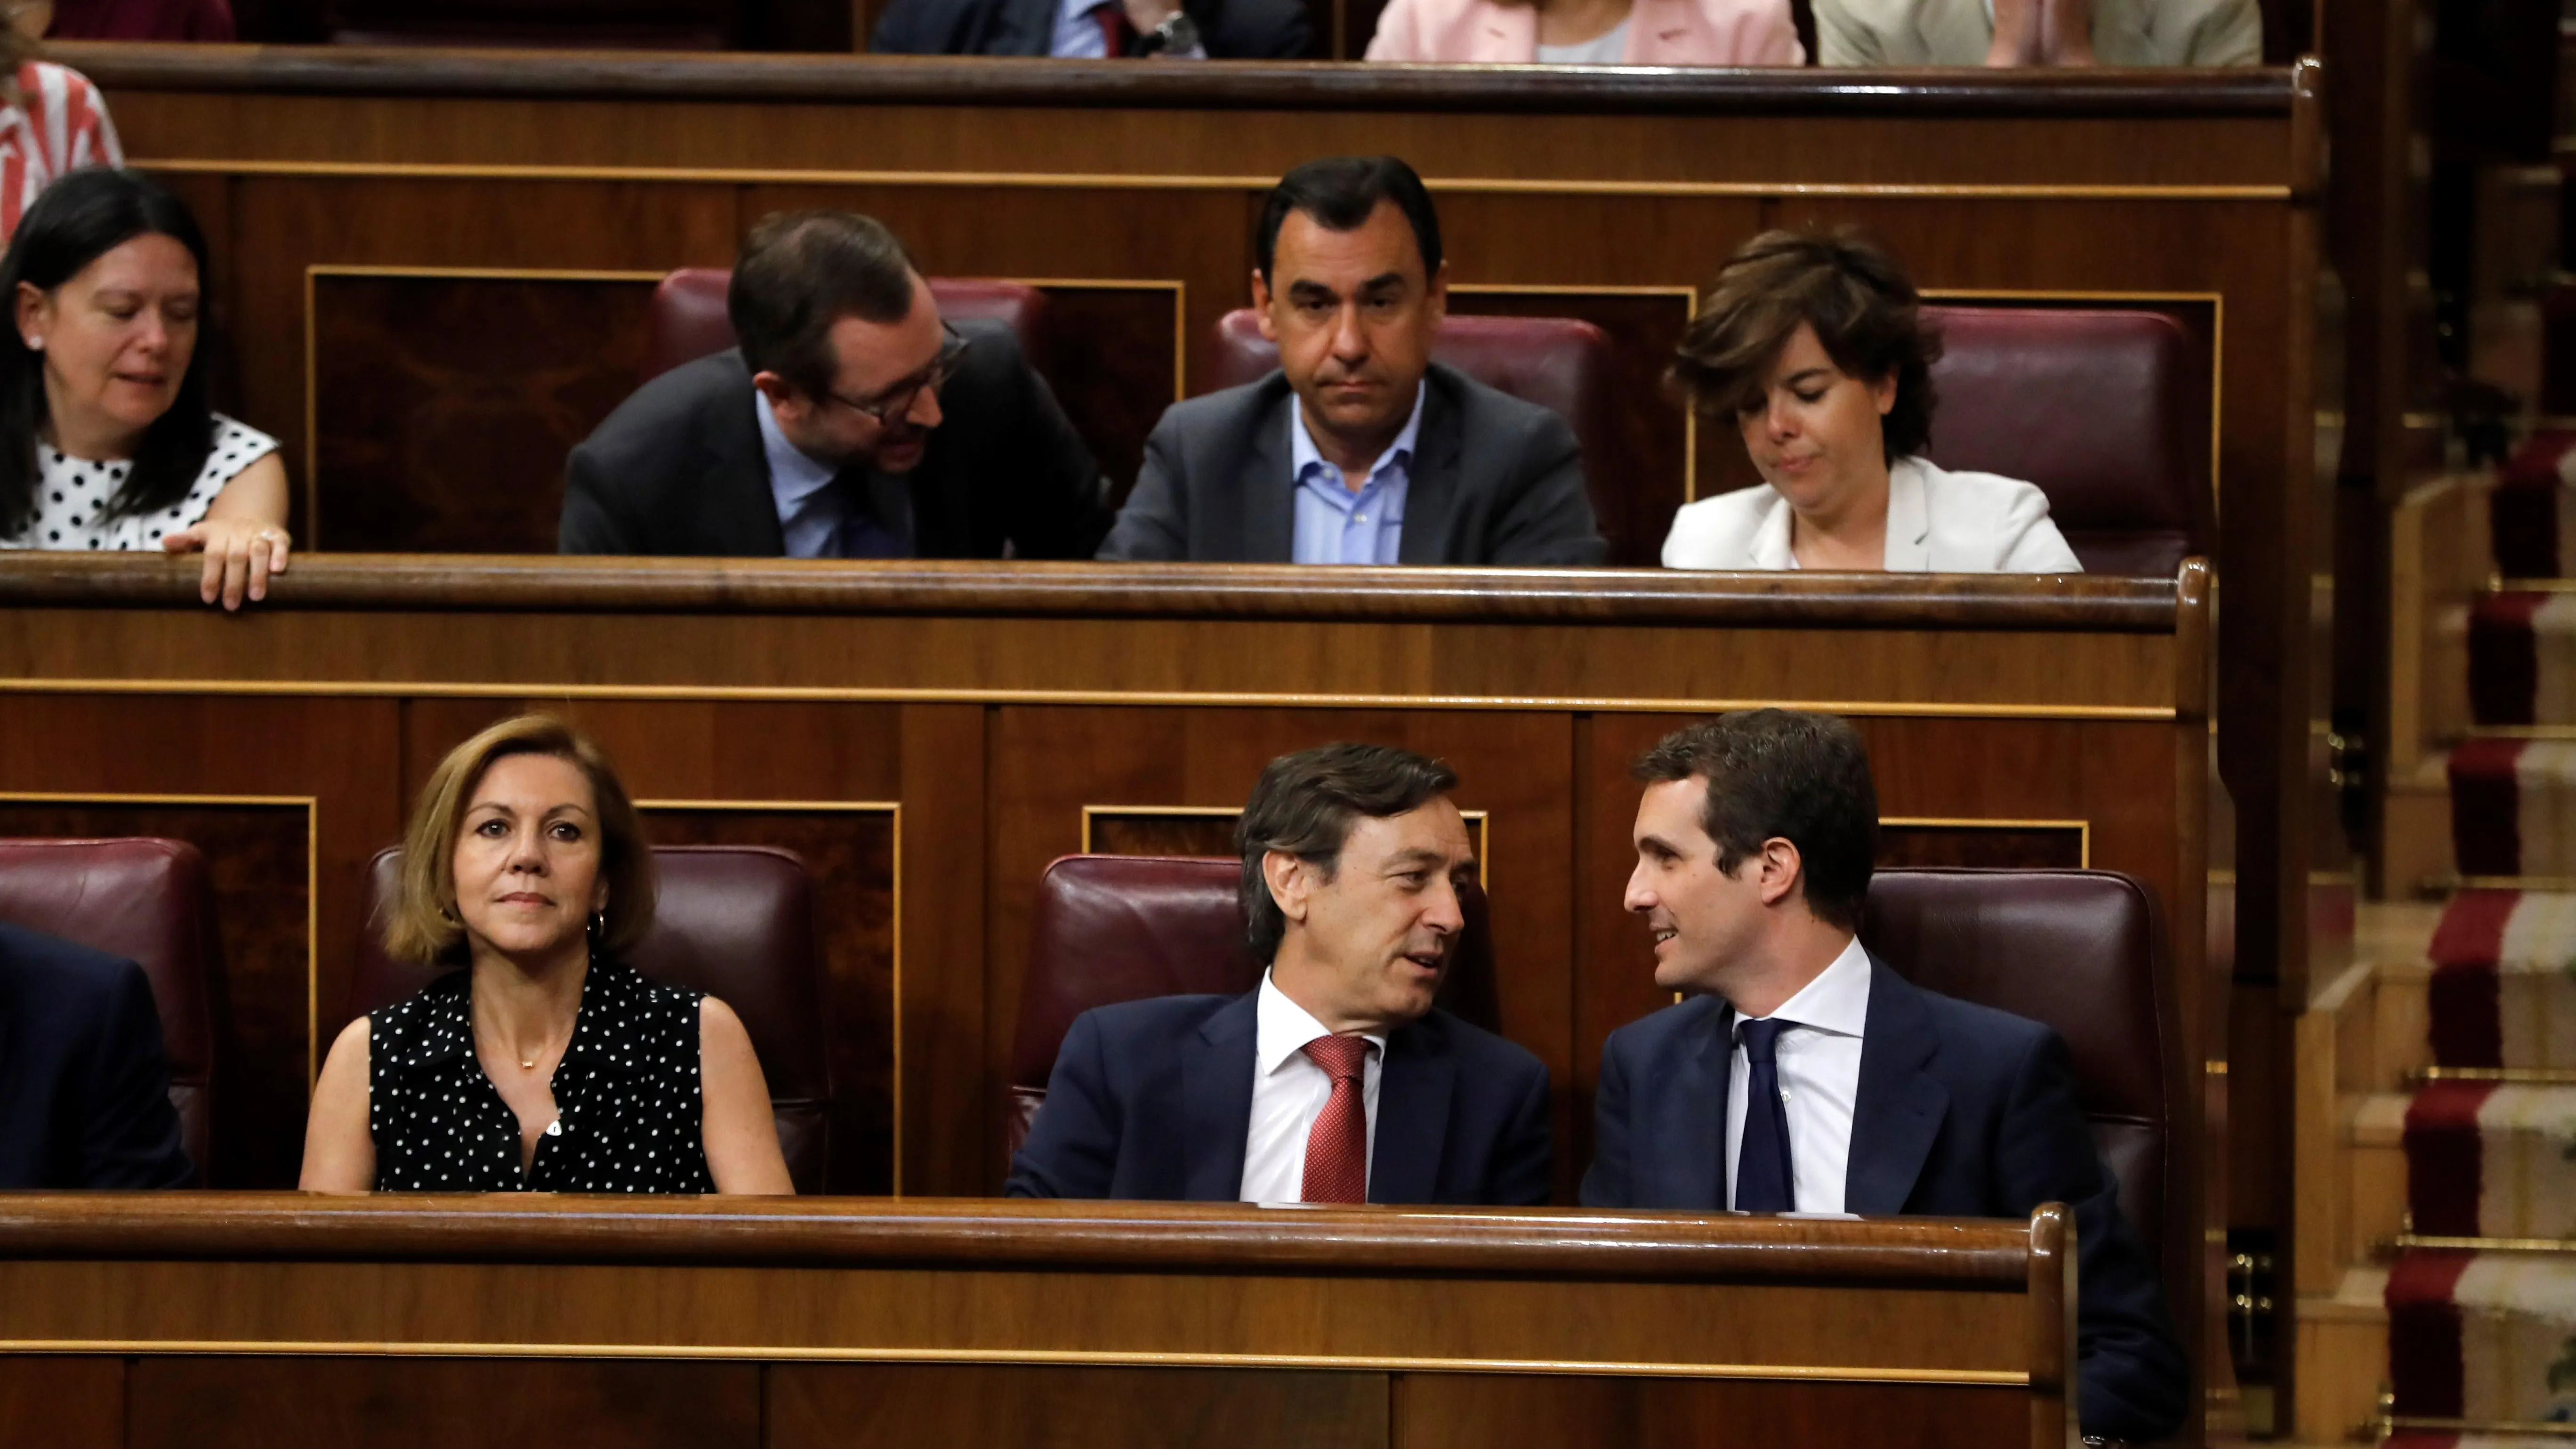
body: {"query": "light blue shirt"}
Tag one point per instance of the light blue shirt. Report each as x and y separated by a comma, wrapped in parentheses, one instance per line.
(815, 517)
(1078, 37)
(1335, 525)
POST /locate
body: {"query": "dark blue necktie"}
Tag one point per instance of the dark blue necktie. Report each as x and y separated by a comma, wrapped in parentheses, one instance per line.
(1763, 1183)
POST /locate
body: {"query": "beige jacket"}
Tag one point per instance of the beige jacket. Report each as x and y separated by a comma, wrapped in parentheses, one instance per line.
(1958, 32)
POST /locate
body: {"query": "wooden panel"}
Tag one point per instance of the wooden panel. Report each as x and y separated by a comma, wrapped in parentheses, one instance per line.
(339, 753)
(253, 1403)
(1479, 1411)
(445, 406)
(1992, 847)
(1114, 359)
(63, 1403)
(1142, 832)
(920, 1406)
(259, 858)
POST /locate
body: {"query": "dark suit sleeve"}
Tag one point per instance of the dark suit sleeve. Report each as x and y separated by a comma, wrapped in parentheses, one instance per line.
(1253, 29)
(590, 523)
(1063, 504)
(916, 27)
(2133, 1383)
(1154, 526)
(1072, 1148)
(129, 1130)
(1524, 1163)
(1547, 521)
(1605, 1182)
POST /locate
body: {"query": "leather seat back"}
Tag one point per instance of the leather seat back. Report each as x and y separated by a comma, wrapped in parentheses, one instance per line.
(689, 319)
(152, 902)
(734, 921)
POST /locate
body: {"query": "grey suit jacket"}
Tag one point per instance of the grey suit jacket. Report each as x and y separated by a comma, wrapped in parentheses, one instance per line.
(1958, 32)
(1495, 480)
(679, 468)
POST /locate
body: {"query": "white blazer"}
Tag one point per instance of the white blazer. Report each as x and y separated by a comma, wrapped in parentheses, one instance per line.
(1937, 522)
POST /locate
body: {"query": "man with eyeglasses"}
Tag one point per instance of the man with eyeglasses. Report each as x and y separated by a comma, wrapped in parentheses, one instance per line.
(850, 422)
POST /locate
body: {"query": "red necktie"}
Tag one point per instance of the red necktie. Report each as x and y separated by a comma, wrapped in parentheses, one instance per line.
(1337, 1145)
(1116, 32)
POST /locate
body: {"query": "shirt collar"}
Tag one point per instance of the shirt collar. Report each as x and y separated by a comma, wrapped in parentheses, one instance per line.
(1837, 1001)
(1282, 1028)
(1076, 9)
(793, 475)
(1303, 454)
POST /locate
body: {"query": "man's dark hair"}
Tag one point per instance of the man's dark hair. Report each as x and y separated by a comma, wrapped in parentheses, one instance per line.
(1783, 773)
(1340, 193)
(1306, 804)
(1867, 316)
(802, 271)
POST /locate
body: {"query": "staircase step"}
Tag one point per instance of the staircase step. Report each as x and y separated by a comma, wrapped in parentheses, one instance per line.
(2342, 1353)
(2484, 1338)
(2501, 994)
(2491, 1160)
(2513, 808)
(2534, 529)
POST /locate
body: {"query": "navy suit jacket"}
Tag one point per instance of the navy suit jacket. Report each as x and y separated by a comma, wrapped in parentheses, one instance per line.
(1963, 1111)
(1152, 1100)
(1228, 29)
(84, 1091)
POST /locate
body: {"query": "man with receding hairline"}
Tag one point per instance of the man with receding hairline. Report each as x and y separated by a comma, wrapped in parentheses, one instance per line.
(1359, 449)
(1336, 1080)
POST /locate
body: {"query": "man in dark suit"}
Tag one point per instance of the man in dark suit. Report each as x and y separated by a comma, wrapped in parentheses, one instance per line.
(1810, 1077)
(84, 1090)
(1360, 448)
(1096, 29)
(851, 423)
(1336, 1080)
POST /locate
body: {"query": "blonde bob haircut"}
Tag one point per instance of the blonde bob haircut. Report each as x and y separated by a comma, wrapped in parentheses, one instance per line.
(422, 924)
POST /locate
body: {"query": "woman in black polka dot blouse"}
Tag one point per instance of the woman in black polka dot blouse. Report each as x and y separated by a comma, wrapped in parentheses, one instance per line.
(107, 442)
(545, 1063)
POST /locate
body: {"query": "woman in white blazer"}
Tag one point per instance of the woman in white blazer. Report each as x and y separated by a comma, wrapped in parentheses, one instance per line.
(1814, 342)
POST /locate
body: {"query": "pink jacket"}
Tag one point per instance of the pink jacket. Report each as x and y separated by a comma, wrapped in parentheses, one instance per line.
(1660, 32)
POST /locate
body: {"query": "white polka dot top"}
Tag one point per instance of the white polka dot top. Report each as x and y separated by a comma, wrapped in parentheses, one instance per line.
(72, 494)
(630, 1114)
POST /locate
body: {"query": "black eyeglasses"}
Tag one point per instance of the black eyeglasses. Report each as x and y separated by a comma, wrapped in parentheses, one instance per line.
(898, 400)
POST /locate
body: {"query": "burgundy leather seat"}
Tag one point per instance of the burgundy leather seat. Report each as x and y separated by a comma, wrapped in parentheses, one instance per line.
(689, 320)
(2084, 952)
(151, 902)
(734, 921)
(1561, 363)
(1112, 928)
(2096, 407)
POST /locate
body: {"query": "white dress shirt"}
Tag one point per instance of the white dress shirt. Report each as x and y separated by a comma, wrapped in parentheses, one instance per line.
(1937, 522)
(1334, 525)
(1818, 1060)
(1288, 1092)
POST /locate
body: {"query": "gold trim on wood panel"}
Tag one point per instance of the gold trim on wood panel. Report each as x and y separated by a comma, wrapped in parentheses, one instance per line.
(1110, 180)
(311, 805)
(1476, 818)
(2217, 339)
(2484, 1245)
(2507, 1076)
(2479, 1426)
(819, 694)
(893, 809)
(1808, 1373)
(2083, 828)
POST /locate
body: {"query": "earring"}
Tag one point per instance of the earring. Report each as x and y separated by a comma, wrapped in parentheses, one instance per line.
(35, 344)
(595, 929)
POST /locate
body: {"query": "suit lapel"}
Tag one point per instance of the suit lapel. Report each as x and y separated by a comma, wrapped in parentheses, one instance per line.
(741, 511)
(1216, 1087)
(1412, 1116)
(1909, 519)
(1270, 500)
(1431, 490)
(1027, 28)
(1700, 1178)
(1900, 1106)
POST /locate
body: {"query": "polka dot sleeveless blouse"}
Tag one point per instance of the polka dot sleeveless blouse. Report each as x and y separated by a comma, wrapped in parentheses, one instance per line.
(73, 495)
(627, 1093)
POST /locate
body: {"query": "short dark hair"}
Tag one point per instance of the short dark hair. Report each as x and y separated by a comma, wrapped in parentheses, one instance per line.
(1340, 193)
(802, 271)
(1305, 805)
(75, 221)
(1783, 773)
(1843, 284)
